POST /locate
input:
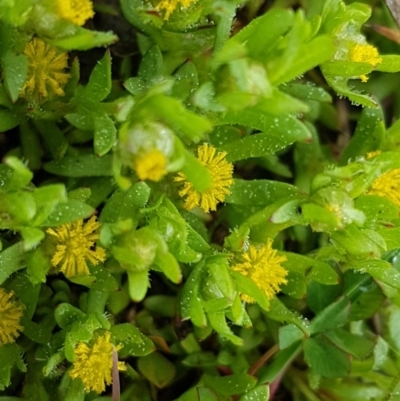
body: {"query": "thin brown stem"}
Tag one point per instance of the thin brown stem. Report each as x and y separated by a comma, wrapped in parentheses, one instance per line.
(264, 358)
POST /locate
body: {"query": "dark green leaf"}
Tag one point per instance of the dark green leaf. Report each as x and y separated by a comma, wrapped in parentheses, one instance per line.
(157, 369)
(230, 385)
(326, 359)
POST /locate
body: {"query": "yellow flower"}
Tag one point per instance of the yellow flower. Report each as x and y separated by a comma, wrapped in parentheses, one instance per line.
(75, 11)
(263, 266)
(365, 54)
(10, 316)
(221, 173)
(372, 154)
(169, 6)
(151, 166)
(46, 66)
(75, 243)
(387, 186)
(93, 364)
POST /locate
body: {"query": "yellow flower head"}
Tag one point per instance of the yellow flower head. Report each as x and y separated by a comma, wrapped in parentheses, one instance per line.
(221, 173)
(169, 6)
(387, 186)
(46, 66)
(75, 247)
(75, 11)
(365, 54)
(93, 363)
(263, 266)
(10, 316)
(151, 166)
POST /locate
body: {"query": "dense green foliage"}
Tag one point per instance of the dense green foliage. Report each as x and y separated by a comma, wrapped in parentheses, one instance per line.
(300, 100)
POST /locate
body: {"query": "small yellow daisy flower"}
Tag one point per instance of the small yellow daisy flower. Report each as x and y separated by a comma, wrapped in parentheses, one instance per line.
(263, 266)
(151, 165)
(169, 6)
(75, 11)
(10, 317)
(221, 173)
(365, 54)
(75, 247)
(46, 66)
(387, 186)
(93, 364)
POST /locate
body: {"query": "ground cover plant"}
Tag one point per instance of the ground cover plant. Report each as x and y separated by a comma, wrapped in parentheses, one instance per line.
(199, 200)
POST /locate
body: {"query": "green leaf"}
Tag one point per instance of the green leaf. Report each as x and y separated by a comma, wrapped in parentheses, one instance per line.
(138, 284)
(157, 369)
(105, 134)
(313, 269)
(341, 87)
(332, 317)
(219, 269)
(313, 54)
(289, 335)
(11, 260)
(230, 385)
(196, 173)
(263, 33)
(346, 68)
(368, 136)
(277, 133)
(99, 85)
(247, 286)
(133, 342)
(282, 361)
(186, 81)
(10, 355)
(68, 212)
(218, 323)
(390, 63)
(326, 359)
(66, 314)
(75, 391)
(259, 192)
(15, 73)
(260, 393)
(151, 66)
(319, 296)
(86, 165)
(370, 298)
(169, 266)
(53, 138)
(279, 312)
(307, 91)
(84, 39)
(356, 242)
(124, 205)
(205, 394)
(8, 120)
(21, 174)
(381, 271)
(183, 121)
(355, 345)
(190, 306)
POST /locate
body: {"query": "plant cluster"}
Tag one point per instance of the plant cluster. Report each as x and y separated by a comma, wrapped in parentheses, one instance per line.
(190, 221)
